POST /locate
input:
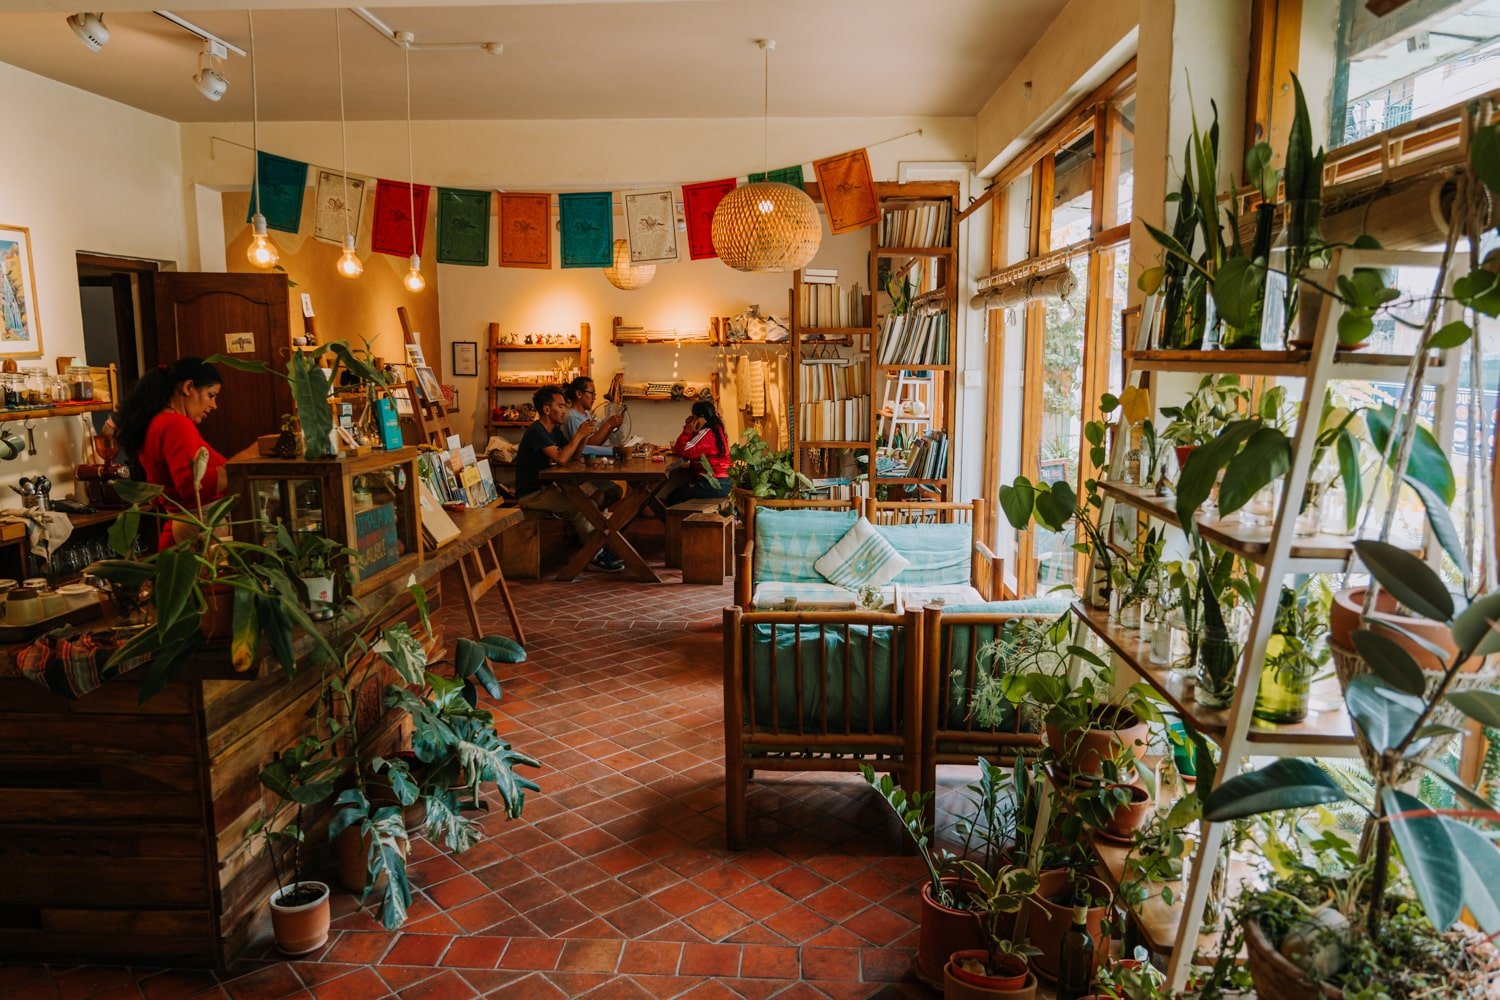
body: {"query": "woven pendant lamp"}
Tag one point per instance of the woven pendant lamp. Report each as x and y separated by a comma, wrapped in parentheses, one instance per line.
(766, 226)
(627, 276)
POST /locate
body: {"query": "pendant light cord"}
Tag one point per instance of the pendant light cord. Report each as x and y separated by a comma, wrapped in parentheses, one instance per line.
(765, 114)
(411, 170)
(254, 111)
(338, 35)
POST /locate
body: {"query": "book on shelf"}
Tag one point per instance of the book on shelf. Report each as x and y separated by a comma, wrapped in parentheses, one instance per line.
(916, 224)
(916, 337)
(834, 419)
(820, 276)
(927, 458)
(827, 305)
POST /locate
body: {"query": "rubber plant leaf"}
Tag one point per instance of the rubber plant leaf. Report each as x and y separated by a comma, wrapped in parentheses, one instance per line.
(1384, 714)
(1429, 854)
(1390, 662)
(1286, 783)
(1408, 579)
(1474, 631)
(1479, 869)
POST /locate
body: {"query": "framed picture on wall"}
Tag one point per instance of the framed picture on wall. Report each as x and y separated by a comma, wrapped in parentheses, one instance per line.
(465, 358)
(20, 328)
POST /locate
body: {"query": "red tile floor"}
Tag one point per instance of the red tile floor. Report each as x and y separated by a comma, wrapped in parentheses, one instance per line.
(616, 882)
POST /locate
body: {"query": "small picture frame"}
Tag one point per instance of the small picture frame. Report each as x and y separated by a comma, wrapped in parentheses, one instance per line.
(465, 358)
(427, 381)
(20, 329)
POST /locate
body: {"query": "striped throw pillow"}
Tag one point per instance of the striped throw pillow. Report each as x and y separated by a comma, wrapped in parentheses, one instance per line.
(862, 558)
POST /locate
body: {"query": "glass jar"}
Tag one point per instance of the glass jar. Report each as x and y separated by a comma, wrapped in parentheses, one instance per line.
(1260, 511)
(80, 384)
(13, 389)
(1285, 685)
(1218, 655)
(61, 389)
(35, 391)
(1183, 652)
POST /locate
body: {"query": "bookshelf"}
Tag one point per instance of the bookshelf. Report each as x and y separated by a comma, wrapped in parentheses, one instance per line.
(831, 376)
(527, 377)
(913, 342)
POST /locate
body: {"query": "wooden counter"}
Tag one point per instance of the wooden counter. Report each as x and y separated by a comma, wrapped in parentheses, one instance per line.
(124, 825)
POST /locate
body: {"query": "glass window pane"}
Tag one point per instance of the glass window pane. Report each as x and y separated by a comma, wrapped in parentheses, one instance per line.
(1061, 426)
(1414, 60)
(1121, 168)
(1073, 192)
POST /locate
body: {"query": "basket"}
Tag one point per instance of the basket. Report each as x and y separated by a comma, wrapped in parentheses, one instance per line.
(1275, 977)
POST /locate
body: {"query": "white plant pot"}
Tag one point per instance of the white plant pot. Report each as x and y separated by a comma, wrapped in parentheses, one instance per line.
(319, 589)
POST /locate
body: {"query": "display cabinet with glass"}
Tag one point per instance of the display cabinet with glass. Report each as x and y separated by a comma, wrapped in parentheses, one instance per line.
(369, 503)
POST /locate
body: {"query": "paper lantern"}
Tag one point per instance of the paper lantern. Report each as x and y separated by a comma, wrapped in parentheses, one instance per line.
(627, 276)
(766, 226)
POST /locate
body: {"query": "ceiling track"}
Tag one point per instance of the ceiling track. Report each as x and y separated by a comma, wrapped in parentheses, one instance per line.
(408, 40)
(193, 29)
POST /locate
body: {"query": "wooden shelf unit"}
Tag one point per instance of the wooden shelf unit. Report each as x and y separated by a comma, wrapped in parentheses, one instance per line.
(495, 384)
(707, 338)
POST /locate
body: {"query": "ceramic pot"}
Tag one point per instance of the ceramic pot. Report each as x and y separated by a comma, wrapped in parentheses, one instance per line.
(319, 589)
(217, 623)
(353, 852)
(301, 927)
(1275, 977)
(1082, 751)
(1344, 620)
(1131, 816)
(942, 930)
(1051, 919)
(1012, 974)
(958, 989)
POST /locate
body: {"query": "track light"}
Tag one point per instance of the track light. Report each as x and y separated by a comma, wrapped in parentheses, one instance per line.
(262, 252)
(414, 281)
(211, 83)
(90, 29)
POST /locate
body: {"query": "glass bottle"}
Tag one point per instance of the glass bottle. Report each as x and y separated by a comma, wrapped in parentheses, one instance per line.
(1286, 676)
(1168, 784)
(1075, 967)
(1135, 459)
(1218, 655)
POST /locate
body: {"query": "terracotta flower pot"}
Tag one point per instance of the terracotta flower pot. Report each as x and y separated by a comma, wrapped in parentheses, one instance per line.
(942, 930)
(958, 989)
(217, 623)
(1082, 751)
(1274, 975)
(300, 927)
(1132, 816)
(353, 851)
(1011, 974)
(1051, 920)
(1344, 620)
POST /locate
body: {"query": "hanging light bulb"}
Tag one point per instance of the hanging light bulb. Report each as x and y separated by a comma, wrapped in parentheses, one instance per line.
(414, 281)
(262, 252)
(349, 265)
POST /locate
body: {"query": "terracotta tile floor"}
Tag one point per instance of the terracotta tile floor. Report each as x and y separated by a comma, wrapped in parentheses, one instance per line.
(616, 882)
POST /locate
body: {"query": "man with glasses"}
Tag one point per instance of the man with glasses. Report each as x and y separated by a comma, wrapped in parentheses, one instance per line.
(581, 394)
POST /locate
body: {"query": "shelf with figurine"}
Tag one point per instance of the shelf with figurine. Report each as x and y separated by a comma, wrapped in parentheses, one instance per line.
(502, 416)
(663, 391)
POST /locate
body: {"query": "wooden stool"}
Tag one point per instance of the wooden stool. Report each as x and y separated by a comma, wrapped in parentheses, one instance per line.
(676, 514)
(707, 547)
(521, 549)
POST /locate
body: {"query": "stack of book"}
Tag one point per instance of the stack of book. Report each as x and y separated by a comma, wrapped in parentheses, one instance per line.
(916, 337)
(928, 457)
(457, 475)
(827, 305)
(641, 335)
(833, 402)
(916, 224)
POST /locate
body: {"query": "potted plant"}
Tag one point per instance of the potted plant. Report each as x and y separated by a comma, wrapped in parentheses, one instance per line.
(1295, 652)
(1133, 978)
(1209, 408)
(999, 968)
(300, 912)
(315, 560)
(1451, 862)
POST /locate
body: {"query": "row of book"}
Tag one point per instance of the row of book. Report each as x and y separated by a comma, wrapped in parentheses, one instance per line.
(916, 337)
(917, 224)
(834, 419)
(456, 474)
(819, 381)
(927, 457)
(827, 305)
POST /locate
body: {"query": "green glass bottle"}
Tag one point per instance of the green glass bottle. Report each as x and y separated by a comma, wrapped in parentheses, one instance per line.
(1075, 967)
(1286, 676)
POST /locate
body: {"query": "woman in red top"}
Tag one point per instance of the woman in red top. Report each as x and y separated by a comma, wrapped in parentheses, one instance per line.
(159, 430)
(703, 437)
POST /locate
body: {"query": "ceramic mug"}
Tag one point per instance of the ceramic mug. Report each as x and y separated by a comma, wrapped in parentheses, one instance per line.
(23, 607)
(11, 444)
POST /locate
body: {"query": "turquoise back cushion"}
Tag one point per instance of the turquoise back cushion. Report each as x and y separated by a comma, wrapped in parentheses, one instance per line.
(788, 542)
(777, 697)
(938, 553)
(965, 643)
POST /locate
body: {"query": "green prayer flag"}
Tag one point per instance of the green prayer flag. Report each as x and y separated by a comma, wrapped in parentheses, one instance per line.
(785, 175)
(463, 233)
(588, 228)
(282, 184)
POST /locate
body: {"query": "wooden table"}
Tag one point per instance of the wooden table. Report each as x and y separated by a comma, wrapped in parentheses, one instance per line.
(643, 480)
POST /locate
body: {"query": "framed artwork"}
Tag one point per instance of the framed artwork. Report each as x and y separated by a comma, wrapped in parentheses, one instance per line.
(465, 358)
(20, 328)
(427, 381)
(402, 399)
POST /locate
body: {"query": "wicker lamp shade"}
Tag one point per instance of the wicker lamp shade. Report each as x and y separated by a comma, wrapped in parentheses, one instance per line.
(627, 276)
(766, 227)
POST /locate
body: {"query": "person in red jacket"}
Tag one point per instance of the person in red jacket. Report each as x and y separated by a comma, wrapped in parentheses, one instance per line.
(703, 437)
(159, 430)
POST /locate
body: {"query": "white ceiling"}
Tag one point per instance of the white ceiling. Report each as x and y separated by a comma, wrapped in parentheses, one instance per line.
(607, 59)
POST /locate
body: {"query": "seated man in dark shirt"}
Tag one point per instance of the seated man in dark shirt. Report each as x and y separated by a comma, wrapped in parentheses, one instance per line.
(544, 444)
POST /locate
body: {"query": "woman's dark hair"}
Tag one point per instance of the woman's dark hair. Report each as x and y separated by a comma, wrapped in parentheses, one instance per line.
(151, 394)
(704, 408)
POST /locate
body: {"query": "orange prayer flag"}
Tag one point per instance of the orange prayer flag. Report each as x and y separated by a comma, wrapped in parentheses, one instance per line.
(848, 191)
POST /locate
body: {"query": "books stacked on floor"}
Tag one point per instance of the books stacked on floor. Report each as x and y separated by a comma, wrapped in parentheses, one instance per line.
(916, 337)
(827, 305)
(916, 224)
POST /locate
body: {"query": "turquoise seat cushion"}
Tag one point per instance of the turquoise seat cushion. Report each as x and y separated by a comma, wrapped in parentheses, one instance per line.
(936, 554)
(868, 649)
(788, 542)
(968, 641)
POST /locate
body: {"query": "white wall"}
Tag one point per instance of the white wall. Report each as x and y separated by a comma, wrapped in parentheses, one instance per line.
(83, 174)
(588, 155)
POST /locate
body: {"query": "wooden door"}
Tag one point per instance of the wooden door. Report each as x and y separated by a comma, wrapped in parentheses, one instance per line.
(241, 314)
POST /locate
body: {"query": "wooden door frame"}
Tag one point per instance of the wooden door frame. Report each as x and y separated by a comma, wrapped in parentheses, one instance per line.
(137, 315)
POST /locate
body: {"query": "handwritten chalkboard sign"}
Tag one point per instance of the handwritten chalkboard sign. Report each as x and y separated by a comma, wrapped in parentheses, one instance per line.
(375, 539)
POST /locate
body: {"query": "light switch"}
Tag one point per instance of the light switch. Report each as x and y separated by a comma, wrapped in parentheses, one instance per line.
(971, 377)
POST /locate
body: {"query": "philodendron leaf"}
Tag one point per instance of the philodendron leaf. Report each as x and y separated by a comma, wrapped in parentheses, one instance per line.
(1479, 870)
(1484, 156)
(1391, 663)
(1354, 487)
(177, 572)
(1409, 579)
(1441, 520)
(1267, 456)
(1018, 501)
(1203, 465)
(1474, 630)
(1056, 505)
(1428, 464)
(1239, 285)
(1481, 706)
(1286, 783)
(1384, 714)
(123, 532)
(1429, 854)
(133, 491)
(1450, 335)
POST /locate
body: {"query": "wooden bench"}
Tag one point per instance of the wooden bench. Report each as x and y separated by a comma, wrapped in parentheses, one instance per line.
(537, 541)
(707, 547)
(676, 514)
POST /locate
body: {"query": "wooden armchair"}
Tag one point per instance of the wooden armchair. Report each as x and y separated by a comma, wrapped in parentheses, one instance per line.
(818, 691)
(986, 570)
(744, 575)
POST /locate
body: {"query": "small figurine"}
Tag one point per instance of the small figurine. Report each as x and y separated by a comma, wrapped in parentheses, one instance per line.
(287, 445)
(528, 338)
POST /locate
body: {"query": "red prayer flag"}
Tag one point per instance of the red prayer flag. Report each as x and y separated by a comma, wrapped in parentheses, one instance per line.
(848, 191)
(698, 204)
(525, 229)
(392, 226)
